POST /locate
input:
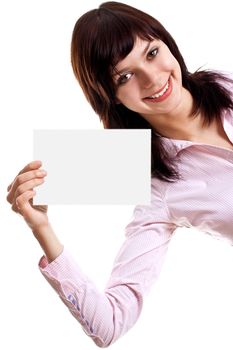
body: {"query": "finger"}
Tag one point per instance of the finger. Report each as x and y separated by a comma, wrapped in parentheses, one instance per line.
(23, 178)
(25, 196)
(29, 185)
(22, 203)
(36, 164)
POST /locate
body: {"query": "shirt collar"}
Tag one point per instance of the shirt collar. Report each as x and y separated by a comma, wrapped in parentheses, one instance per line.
(174, 146)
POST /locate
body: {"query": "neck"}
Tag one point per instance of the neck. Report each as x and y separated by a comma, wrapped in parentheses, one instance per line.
(180, 123)
(190, 128)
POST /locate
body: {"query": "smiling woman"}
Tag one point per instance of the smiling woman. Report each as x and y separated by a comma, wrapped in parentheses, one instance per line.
(134, 76)
(151, 80)
(135, 60)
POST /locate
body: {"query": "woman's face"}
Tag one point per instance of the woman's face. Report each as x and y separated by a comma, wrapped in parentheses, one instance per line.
(149, 80)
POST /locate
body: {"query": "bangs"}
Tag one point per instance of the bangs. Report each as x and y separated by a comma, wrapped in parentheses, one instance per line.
(122, 42)
(113, 45)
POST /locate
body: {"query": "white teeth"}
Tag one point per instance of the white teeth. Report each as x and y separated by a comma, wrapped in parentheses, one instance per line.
(161, 92)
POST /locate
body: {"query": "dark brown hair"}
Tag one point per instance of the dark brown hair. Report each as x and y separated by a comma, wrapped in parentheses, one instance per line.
(104, 36)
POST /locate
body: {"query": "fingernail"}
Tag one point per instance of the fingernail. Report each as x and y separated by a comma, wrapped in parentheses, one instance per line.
(41, 172)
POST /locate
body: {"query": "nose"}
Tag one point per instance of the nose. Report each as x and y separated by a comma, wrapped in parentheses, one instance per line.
(147, 78)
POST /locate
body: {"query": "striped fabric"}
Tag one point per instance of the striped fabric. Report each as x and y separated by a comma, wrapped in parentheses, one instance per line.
(201, 199)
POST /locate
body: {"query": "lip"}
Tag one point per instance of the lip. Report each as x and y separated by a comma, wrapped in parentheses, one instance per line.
(164, 96)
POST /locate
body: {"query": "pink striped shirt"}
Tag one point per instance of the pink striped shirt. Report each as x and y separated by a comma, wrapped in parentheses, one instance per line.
(201, 199)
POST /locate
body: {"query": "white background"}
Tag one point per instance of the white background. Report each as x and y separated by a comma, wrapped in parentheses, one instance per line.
(190, 307)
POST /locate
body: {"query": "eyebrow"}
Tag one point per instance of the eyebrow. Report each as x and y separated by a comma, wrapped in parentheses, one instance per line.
(119, 72)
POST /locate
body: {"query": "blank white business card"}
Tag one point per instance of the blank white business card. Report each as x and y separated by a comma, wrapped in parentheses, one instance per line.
(109, 166)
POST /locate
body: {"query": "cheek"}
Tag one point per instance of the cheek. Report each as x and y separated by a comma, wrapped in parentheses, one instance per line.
(126, 96)
(128, 100)
(119, 97)
(177, 69)
(169, 64)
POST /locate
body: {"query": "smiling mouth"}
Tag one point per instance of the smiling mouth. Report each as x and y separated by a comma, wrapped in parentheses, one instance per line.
(161, 92)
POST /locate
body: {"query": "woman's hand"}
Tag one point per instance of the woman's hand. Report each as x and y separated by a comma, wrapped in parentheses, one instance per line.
(21, 192)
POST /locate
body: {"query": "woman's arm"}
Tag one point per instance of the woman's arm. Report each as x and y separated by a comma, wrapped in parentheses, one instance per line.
(49, 242)
(20, 195)
(104, 315)
(107, 315)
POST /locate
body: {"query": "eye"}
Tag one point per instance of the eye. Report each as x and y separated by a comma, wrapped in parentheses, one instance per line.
(124, 78)
(153, 53)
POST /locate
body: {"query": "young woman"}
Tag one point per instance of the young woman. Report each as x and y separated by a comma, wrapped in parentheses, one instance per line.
(134, 76)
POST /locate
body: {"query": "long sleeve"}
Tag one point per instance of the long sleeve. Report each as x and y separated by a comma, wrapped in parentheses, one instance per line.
(107, 315)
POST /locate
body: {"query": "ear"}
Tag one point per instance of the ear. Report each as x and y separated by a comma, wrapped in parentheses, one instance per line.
(117, 101)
